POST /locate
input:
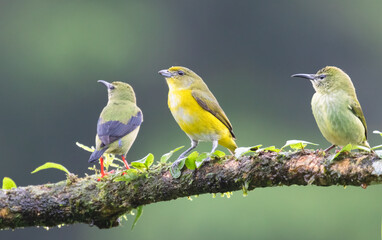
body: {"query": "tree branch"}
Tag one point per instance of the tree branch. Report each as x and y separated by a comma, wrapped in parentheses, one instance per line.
(84, 200)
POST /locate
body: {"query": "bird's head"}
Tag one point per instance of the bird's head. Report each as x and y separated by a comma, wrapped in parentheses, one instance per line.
(180, 77)
(119, 91)
(328, 79)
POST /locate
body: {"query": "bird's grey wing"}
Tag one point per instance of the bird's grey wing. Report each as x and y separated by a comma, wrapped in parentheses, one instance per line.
(111, 131)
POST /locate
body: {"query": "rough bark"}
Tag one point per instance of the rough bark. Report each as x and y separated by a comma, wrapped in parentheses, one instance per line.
(85, 200)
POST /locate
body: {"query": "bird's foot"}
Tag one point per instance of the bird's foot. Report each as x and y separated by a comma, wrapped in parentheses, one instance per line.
(200, 162)
(127, 168)
(329, 148)
(125, 162)
(176, 169)
(181, 156)
(206, 160)
(103, 174)
(176, 163)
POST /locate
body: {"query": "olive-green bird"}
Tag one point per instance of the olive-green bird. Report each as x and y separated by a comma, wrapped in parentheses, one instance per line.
(197, 111)
(336, 108)
(118, 123)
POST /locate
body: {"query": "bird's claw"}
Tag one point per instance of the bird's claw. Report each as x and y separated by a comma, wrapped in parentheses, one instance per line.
(208, 159)
(175, 164)
(105, 174)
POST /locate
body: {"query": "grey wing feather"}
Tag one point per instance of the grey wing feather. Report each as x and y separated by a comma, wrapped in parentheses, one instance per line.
(111, 131)
(96, 155)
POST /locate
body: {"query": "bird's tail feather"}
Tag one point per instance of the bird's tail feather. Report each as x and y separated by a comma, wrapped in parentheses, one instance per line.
(229, 143)
(96, 155)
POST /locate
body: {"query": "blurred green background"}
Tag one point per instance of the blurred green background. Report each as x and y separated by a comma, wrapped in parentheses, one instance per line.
(53, 52)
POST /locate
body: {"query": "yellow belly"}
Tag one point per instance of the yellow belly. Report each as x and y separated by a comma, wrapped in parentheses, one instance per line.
(196, 122)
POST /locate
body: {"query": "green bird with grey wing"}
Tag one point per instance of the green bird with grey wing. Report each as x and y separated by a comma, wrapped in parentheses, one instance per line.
(118, 123)
(336, 108)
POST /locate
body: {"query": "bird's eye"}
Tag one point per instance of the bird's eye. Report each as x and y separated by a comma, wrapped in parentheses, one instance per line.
(322, 76)
(111, 87)
(181, 73)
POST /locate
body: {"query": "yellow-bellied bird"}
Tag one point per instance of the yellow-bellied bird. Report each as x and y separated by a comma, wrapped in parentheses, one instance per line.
(196, 110)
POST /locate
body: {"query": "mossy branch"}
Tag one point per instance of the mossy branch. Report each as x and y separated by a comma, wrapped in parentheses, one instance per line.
(84, 200)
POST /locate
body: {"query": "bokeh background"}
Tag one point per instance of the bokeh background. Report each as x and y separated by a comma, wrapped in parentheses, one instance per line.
(53, 52)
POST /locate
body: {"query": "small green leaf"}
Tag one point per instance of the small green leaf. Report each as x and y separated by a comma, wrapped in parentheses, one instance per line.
(270, 149)
(190, 164)
(376, 147)
(165, 157)
(129, 175)
(297, 144)
(193, 155)
(8, 183)
(139, 213)
(175, 172)
(149, 160)
(182, 163)
(379, 153)
(86, 148)
(363, 148)
(218, 154)
(144, 163)
(377, 132)
(245, 188)
(190, 161)
(139, 166)
(346, 148)
(108, 160)
(51, 165)
(241, 151)
(200, 159)
(142, 160)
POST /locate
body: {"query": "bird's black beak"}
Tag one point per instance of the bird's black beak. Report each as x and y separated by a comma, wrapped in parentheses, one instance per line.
(304, 75)
(107, 84)
(165, 73)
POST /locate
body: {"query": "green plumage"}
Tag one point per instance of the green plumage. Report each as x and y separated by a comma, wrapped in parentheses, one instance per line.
(121, 111)
(336, 108)
(119, 121)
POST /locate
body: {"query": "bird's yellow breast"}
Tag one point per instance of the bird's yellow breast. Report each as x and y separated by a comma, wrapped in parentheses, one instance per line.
(195, 121)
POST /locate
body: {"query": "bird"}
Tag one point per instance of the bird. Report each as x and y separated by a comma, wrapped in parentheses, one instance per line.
(336, 108)
(118, 124)
(197, 111)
